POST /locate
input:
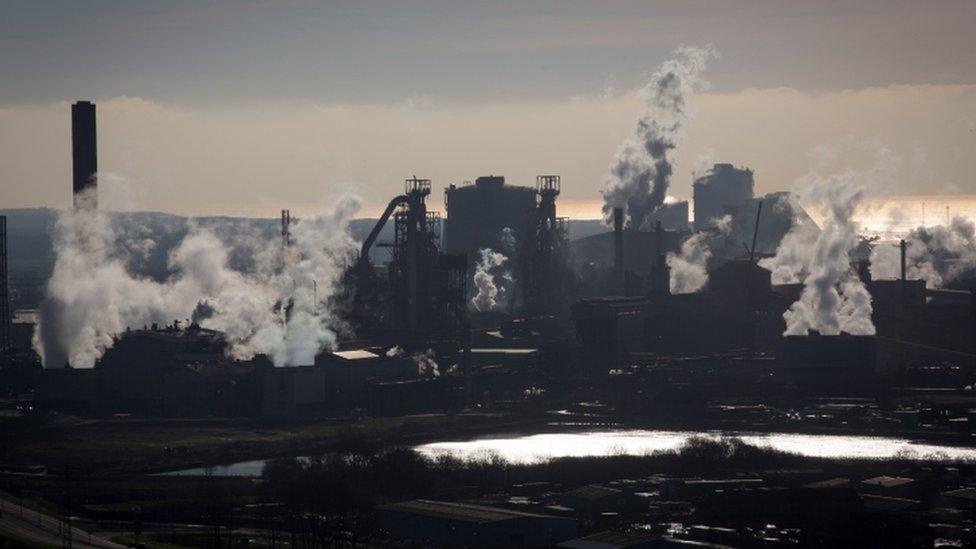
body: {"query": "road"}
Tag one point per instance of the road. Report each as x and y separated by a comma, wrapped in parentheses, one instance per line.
(30, 525)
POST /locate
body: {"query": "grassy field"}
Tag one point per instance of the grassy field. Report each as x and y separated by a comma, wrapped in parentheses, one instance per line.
(9, 542)
(137, 447)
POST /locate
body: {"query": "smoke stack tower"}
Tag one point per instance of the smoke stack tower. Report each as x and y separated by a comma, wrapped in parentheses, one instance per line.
(285, 228)
(84, 153)
(618, 247)
(5, 343)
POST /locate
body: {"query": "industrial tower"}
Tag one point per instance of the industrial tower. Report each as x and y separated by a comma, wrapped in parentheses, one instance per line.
(5, 341)
(543, 250)
(84, 153)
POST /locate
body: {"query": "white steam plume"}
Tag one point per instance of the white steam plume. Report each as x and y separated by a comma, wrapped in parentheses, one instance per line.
(507, 240)
(287, 312)
(938, 255)
(834, 299)
(426, 366)
(487, 296)
(641, 170)
(689, 269)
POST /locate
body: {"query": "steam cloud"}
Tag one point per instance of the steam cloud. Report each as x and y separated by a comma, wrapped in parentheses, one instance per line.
(938, 255)
(641, 170)
(486, 299)
(834, 299)
(284, 307)
(689, 269)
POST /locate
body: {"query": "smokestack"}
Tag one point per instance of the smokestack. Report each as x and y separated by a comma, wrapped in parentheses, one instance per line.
(618, 241)
(84, 151)
(658, 239)
(5, 343)
(285, 228)
(903, 277)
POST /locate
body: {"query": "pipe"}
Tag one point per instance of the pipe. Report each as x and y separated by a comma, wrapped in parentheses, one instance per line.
(755, 233)
(658, 238)
(380, 223)
(618, 240)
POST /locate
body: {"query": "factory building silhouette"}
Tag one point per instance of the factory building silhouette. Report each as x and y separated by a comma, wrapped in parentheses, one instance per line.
(593, 304)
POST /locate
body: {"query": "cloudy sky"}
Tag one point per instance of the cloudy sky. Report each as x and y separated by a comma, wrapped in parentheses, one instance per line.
(247, 107)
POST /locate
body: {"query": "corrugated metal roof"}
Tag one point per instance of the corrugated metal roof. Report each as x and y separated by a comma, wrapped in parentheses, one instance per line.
(964, 493)
(355, 354)
(504, 351)
(882, 504)
(887, 482)
(594, 491)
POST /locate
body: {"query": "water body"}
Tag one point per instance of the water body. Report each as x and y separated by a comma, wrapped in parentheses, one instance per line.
(240, 469)
(540, 447)
(536, 448)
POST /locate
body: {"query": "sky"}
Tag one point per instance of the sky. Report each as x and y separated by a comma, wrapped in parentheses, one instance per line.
(244, 108)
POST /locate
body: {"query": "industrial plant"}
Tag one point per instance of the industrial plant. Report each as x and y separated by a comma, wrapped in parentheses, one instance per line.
(492, 319)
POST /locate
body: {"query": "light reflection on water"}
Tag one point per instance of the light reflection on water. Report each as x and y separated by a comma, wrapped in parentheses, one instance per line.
(535, 448)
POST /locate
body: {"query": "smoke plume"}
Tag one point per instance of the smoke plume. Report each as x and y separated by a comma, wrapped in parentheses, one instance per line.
(426, 366)
(488, 291)
(284, 306)
(641, 170)
(689, 269)
(507, 240)
(939, 255)
(833, 299)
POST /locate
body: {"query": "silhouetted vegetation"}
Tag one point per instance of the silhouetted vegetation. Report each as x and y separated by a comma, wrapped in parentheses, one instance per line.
(330, 483)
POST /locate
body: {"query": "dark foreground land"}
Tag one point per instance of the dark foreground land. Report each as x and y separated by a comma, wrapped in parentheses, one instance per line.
(722, 492)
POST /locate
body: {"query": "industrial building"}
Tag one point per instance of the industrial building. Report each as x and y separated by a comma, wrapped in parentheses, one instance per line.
(626, 262)
(672, 216)
(177, 372)
(780, 214)
(544, 274)
(521, 223)
(722, 187)
(737, 309)
(423, 295)
(478, 214)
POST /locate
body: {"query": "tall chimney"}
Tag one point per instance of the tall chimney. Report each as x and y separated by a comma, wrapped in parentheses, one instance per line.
(903, 277)
(618, 240)
(5, 342)
(84, 152)
(658, 239)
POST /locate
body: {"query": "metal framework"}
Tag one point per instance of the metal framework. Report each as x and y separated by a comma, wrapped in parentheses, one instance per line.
(285, 228)
(428, 288)
(543, 248)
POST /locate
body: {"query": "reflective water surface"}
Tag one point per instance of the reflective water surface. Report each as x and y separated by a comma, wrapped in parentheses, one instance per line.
(539, 447)
(534, 448)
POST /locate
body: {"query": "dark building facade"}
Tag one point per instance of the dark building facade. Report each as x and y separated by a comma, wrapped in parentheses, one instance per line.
(672, 216)
(478, 214)
(84, 148)
(722, 187)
